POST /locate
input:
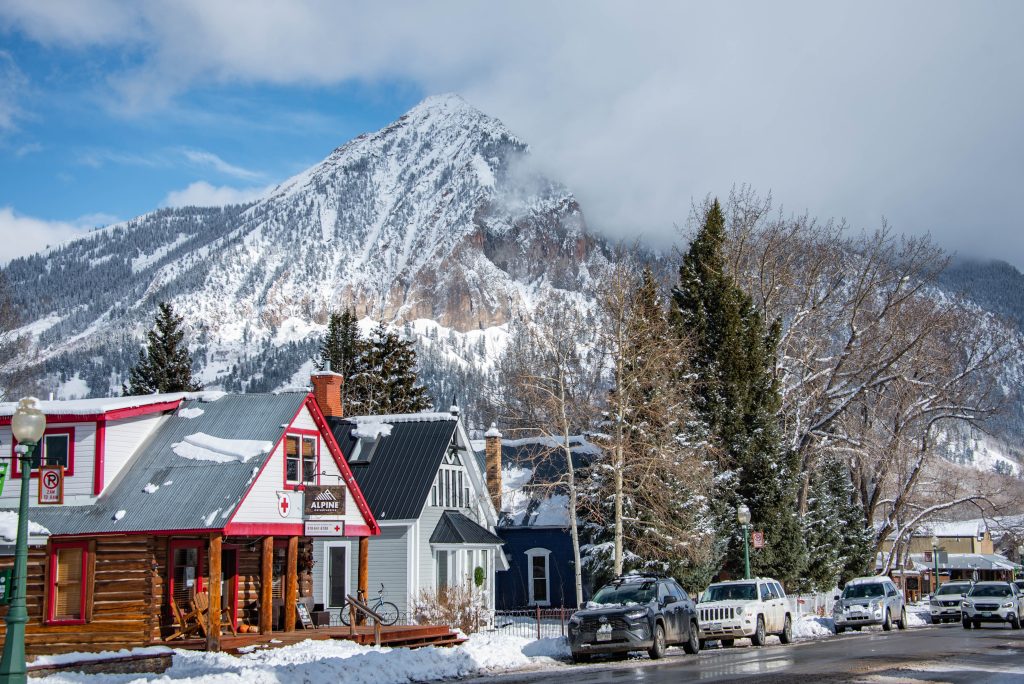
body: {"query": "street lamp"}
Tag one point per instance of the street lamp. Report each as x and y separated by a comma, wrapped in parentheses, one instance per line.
(28, 425)
(743, 518)
(935, 560)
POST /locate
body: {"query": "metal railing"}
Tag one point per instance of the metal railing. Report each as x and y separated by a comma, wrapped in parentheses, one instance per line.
(533, 623)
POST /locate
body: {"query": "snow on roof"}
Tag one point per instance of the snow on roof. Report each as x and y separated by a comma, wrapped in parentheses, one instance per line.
(493, 431)
(190, 413)
(203, 447)
(88, 407)
(9, 527)
(371, 428)
(402, 418)
(955, 528)
(579, 445)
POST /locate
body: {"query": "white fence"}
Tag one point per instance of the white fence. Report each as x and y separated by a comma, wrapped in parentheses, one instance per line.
(813, 604)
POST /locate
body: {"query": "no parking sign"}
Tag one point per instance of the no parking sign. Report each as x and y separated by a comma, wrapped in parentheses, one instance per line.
(51, 484)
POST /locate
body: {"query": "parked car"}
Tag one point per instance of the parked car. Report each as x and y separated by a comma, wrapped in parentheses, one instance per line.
(991, 602)
(869, 601)
(945, 603)
(634, 613)
(751, 608)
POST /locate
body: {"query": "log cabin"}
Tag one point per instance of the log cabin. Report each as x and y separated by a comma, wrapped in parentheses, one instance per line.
(168, 497)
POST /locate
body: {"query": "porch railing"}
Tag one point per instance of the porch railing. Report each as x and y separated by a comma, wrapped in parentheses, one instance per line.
(356, 607)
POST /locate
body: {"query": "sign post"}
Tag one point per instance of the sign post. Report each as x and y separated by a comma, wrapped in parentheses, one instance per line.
(51, 484)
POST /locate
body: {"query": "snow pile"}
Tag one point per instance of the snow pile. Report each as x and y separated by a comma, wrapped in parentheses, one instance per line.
(150, 488)
(66, 658)
(190, 413)
(371, 429)
(918, 616)
(9, 527)
(813, 627)
(203, 447)
(325, 661)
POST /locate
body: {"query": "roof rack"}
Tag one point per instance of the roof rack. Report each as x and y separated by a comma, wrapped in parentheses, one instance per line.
(641, 575)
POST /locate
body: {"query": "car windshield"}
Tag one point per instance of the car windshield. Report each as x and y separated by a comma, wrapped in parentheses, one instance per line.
(730, 592)
(626, 592)
(861, 591)
(957, 589)
(994, 591)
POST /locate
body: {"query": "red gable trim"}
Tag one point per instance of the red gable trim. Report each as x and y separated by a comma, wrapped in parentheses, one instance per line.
(339, 460)
(101, 448)
(130, 412)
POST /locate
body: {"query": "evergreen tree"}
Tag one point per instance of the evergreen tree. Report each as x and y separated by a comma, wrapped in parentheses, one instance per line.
(165, 365)
(385, 378)
(343, 349)
(737, 399)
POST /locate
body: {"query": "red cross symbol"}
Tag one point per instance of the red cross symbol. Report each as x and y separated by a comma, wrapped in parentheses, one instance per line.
(337, 528)
(283, 505)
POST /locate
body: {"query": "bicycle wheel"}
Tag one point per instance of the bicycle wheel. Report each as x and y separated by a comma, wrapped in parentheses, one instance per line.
(344, 616)
(388, 613)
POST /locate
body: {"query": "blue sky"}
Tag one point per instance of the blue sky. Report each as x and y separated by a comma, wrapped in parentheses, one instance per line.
(909, 111)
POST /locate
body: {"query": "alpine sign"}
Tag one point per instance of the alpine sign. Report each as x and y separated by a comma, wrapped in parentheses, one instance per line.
(326, 500)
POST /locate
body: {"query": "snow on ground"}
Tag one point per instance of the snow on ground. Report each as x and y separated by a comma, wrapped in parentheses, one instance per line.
(329, 660)
(918, 615)
(813, 627)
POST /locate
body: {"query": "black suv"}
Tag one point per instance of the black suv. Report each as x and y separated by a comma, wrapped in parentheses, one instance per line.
(633, 613)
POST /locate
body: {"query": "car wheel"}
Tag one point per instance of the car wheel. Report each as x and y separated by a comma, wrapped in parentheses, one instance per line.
(581, 658)
(966, 624)
(727, 643)
(786, 636)
(887, 621)
(758, 637)
(1014, 622)
(902, 624)
(657, 650)
(840, 630)
(693, 644)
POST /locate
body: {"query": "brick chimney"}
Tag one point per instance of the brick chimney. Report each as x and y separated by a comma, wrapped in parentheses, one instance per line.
(327, 391)
(492, 457)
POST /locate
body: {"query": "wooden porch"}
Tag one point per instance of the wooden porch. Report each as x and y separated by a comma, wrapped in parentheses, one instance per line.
(406, 636)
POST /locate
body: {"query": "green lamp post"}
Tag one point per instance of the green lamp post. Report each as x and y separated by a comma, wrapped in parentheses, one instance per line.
(28, 425)
(743, 518)
(935, 558)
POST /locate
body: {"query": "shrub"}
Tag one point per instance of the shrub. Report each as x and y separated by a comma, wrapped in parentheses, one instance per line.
(459, 607)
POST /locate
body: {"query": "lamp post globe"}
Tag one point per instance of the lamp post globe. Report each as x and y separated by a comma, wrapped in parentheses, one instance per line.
(743, 514)
(743, 518)
(28, 425)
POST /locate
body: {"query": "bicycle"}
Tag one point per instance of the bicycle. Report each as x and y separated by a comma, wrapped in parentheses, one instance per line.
(388, 611)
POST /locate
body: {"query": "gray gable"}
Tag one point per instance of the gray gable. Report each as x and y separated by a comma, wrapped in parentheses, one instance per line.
(456, 528)
(398, 478)
(201, 495)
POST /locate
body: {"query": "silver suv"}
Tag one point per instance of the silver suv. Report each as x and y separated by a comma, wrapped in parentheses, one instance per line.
(944, 604)
(992, 602)
(869, 601)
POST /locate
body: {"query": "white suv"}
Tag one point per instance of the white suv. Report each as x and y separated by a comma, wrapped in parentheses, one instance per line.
(944, 604)
(869, 601)
(751, 608)
(991, 602)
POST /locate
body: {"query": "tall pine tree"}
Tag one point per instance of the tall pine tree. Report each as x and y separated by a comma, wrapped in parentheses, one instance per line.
(737, 399)
(343, 349)
(384, 380)
(165, 365)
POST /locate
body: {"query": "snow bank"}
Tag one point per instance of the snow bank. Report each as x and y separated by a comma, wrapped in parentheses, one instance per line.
(326, 661)
(9, 527)
(203, 447)
(813, 627)
(190, 413)
(65, 658)
(918, 617)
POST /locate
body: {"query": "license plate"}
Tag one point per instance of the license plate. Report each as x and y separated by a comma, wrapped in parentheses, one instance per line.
(986, 615)
(714, 626)
(604, 633)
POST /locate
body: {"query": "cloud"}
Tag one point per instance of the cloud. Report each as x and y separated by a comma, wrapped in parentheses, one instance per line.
(203, 194)
(23, 235)
(12, 86)
(203, 158)
(911, 110)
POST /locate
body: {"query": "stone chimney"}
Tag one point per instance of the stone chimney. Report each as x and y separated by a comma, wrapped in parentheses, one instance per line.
(327, 391)
(492, 457)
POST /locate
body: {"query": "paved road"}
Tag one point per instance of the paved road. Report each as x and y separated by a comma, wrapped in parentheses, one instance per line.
(946, 653)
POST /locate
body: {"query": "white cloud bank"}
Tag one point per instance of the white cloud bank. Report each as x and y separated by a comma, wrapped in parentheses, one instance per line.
(203, 194)
(22, 235)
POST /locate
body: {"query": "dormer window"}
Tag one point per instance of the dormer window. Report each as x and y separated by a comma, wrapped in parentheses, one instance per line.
(300, 460)
(369, 435)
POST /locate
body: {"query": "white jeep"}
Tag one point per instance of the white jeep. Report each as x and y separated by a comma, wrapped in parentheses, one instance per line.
(751, 608)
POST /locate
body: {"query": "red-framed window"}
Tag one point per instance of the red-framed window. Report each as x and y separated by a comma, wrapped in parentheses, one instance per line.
(68, 574)
(186, 576)
(301, 458)
(57, 447)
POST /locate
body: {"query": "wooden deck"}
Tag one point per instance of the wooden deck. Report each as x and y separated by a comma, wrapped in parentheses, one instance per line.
(405, 636)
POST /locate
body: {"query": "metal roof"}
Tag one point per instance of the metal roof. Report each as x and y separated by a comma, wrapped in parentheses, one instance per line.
(192, 494)
(456, 528)
(398, 478)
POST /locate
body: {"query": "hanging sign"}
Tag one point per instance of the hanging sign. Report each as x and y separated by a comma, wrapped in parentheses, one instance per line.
(758, 539)
(51, 484)
(326, 500)
(3, 476)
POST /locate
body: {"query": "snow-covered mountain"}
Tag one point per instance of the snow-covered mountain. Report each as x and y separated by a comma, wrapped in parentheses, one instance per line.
(437, 218)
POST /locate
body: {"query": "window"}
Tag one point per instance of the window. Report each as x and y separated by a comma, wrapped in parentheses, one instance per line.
(336, 578)
(461, 500)
(300, 460)
(68, 576)
(779, 591)
(186, 572)
(676, 591)
(280, 563)
(433, 494)
(663, 592)
(57, 447)
(539, 579)
(442, 570)
(766, 594)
